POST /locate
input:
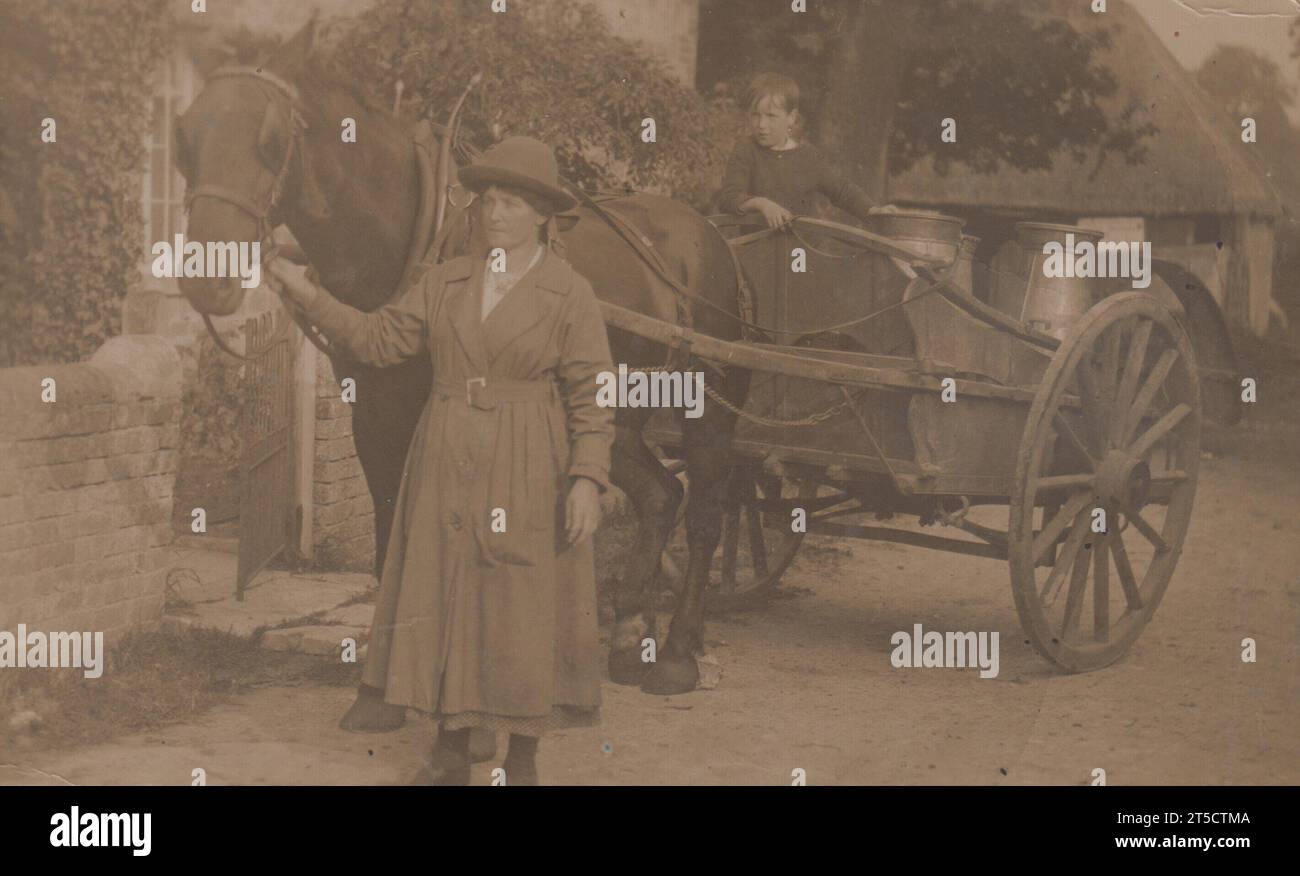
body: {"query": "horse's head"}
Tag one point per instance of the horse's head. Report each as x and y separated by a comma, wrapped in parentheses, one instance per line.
(239, 148)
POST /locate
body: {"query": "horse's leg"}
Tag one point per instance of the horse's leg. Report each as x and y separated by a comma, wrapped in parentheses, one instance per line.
(707, 441)
(655, 494)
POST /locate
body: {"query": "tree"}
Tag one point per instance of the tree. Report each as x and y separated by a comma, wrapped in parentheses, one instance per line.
(1245, 84)
(551, 70)
(1021, 83)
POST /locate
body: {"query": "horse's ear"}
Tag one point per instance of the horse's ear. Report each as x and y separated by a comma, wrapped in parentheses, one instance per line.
(298, 48)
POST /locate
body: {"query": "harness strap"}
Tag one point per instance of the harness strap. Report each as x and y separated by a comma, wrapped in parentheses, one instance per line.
(632, 235)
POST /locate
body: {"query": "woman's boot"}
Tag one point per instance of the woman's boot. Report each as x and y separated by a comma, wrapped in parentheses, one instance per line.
(521, 760)
(370, 714)
(448, 764)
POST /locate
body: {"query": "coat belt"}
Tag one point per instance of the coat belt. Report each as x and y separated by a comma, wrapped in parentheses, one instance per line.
(485, 393)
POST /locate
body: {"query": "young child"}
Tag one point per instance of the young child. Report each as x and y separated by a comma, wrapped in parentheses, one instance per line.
(775, 175)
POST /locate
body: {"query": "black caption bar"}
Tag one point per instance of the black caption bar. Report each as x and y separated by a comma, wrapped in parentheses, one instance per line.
(311, 824)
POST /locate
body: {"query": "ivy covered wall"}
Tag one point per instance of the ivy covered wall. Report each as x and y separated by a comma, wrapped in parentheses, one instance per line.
(71, 248)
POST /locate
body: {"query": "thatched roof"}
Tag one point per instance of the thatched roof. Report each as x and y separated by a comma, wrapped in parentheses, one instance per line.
(1196, 163)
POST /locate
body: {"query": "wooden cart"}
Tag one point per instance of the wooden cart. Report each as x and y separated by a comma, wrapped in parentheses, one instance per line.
(878, 393)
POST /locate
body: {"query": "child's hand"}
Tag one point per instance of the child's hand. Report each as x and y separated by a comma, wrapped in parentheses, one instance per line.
(776, 215)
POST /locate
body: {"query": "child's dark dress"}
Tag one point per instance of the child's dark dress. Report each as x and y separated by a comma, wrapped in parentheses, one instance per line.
(792, 178)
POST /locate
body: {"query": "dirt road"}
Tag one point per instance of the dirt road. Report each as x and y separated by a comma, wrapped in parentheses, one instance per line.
(807, 682)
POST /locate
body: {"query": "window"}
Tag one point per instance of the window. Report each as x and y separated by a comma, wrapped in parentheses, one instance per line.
(164, 187)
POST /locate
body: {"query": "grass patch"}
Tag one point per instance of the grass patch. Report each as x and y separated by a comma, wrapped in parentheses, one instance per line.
(152, 679)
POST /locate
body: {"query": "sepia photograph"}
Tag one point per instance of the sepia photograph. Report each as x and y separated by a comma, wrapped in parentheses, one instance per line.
(630, 393)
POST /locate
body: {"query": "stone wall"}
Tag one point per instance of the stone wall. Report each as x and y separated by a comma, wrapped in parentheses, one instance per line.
(343, 515)
(86, 488)
(341, 531)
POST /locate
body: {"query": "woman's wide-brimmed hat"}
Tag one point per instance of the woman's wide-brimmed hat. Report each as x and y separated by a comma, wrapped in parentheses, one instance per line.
(522, 162)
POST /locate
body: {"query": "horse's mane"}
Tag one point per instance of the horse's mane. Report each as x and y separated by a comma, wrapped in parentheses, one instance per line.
(317, 74)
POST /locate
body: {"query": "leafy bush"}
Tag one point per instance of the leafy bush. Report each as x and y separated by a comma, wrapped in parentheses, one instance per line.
(212, 402)
(68, 263)
(551, 70)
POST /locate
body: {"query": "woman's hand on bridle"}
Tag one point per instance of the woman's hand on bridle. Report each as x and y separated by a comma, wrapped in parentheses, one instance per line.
(582, 510)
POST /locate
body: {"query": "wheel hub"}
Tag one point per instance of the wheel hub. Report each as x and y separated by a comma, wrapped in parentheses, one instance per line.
(1124, 478)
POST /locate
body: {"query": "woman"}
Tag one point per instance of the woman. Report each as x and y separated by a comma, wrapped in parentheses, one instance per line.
(487, 608)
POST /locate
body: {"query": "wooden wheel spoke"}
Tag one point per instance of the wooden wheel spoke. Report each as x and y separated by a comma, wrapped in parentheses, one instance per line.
(1101, 590)
(1063, 427)
(1155, 380)
(754, 556)
(1065, 559)
(1137, 353)
(1147, 530)
(730, 543)
(812, 506)
(1074, 595)
(1109, 381)
(1052, 530)
(1056, 482)
(1125, 569)
(757, 542)
(1091, 403)
(1162, 427)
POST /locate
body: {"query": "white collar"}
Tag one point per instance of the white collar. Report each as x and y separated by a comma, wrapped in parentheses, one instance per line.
(498, 276)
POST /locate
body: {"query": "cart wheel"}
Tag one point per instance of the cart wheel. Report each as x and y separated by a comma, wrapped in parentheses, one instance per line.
(757, 543)
(1114, 477)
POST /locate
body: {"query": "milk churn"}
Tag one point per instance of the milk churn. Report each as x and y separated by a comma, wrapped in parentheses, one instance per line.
(1052, 304)
(963, 271)
(924, 231)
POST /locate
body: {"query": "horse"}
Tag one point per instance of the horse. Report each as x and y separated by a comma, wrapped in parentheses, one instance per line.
(260, 146)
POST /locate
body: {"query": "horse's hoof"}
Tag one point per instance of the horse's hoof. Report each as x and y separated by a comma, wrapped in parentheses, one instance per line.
(627, 667)
(370, 714)
(482, 744)
(670, 675)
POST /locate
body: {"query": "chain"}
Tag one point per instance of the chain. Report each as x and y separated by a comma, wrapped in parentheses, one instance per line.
(810, 420)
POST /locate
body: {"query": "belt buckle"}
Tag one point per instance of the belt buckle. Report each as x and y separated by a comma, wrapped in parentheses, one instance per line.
(473, 399)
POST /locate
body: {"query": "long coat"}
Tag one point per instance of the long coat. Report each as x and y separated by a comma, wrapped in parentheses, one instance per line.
(482, 608)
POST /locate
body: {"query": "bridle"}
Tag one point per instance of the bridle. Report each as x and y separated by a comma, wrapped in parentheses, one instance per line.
(276, 90)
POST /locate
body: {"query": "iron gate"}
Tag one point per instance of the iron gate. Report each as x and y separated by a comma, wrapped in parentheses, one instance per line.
(266, 497)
